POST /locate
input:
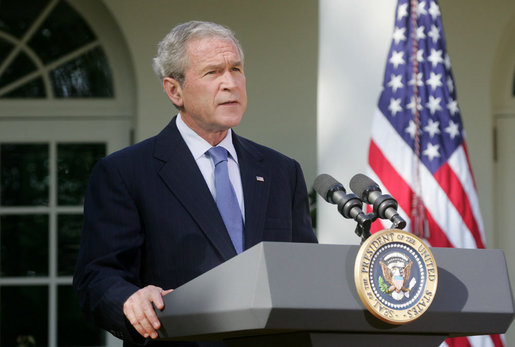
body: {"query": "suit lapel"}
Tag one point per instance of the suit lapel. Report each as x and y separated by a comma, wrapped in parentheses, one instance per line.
(183, 177)
(255, 179)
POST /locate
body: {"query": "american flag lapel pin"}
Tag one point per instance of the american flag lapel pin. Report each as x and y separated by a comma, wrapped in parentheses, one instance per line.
(260, 179)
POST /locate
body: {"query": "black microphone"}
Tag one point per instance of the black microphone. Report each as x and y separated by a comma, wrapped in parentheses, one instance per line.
(349, 205)
(385, 207)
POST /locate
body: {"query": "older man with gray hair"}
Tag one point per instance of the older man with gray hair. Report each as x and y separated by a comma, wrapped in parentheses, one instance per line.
(161, 212)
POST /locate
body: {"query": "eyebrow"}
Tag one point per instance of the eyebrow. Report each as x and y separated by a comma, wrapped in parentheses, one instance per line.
(216, 66)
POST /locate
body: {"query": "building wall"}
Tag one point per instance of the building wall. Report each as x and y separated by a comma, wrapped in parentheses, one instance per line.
(475, 30)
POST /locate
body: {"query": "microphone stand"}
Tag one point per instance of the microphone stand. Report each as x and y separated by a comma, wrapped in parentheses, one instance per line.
(364, 222)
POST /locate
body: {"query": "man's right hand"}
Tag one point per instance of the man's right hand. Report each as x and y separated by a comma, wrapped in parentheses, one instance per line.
(139, 311)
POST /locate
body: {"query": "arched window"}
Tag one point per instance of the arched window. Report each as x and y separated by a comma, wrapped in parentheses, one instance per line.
(47, 50)
(62, 107)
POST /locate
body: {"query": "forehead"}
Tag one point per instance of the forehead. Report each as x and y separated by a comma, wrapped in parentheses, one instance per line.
(212, 50)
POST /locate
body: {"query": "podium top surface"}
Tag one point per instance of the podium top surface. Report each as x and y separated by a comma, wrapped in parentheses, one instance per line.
(280, 287)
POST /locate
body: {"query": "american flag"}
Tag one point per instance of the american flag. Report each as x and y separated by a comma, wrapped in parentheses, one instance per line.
(417, 150)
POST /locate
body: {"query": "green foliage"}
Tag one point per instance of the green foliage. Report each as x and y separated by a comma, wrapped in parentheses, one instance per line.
(382, 285)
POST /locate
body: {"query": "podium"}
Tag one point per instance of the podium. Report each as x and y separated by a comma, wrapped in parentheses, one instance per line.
(297, 294)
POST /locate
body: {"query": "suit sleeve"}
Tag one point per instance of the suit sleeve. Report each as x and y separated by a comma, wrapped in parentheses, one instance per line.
(108, 264)
(301, 218)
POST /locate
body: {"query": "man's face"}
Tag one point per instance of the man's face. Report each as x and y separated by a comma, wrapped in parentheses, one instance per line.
(213, 94)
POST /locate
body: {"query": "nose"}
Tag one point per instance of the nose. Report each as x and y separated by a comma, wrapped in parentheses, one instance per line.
(228, 80)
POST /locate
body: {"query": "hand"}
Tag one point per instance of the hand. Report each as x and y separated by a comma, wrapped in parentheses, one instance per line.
(139, 311)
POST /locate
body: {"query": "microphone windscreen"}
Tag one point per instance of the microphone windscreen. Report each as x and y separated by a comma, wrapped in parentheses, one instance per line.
(323, 184)
(360, 183)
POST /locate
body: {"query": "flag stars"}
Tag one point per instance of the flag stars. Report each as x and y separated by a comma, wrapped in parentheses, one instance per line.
(435, 57)
(421, 8)
(411, 105)
(418, 90)
(452, 106)
(420, 55)
(435, 80)
(453, 129)
(402, 11)
(411, 129)
(434, 33)
(398, 35)
(420, 33)
(395, 82)
(397, 58)
(419, 80)
(432, 128)
(395, 106)
(432, 151)
(433, 104)
(434, 10)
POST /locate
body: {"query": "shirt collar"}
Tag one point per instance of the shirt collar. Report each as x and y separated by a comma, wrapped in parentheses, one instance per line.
(198, 146)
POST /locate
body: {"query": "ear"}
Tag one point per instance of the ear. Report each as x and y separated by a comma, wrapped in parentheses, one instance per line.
(174, 91)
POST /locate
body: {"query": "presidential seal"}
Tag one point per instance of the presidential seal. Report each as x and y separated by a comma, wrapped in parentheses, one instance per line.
(396, 276)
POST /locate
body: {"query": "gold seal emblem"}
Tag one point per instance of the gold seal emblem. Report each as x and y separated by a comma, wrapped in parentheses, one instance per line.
(396, 276)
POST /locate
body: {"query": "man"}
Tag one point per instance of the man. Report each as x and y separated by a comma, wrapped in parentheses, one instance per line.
(155, 214)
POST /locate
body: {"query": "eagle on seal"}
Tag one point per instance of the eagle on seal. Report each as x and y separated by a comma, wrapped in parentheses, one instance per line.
(397, 277)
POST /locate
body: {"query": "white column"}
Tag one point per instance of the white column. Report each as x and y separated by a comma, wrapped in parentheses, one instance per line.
(354, 39)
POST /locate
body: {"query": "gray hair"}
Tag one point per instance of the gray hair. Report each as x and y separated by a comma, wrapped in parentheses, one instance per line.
(172, 58)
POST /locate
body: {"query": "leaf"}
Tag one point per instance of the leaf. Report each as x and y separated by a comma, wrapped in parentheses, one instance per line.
(382, 285)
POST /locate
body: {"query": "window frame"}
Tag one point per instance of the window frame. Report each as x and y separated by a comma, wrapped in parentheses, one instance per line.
(88, 119)
(110, 39)
(115, 133)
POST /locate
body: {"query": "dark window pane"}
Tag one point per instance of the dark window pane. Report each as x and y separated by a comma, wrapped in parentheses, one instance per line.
(24, 174)
(32, 89)
(62, 32)
(87, 76)
(20, 66)
(23, 315)
(24, 245)
(74, 164)
(5, 47)
(68, 238)
(16, 16)
(73, 329)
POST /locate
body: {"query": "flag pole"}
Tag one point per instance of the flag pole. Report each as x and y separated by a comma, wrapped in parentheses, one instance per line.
(416, 203)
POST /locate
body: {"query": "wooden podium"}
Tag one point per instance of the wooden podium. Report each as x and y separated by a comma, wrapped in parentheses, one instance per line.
(296, 294)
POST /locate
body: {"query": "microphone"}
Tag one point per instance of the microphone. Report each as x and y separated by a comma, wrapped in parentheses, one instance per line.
(385, 207)
(349, 205)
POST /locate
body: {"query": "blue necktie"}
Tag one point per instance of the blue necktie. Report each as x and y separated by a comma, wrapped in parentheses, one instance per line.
(226, 198)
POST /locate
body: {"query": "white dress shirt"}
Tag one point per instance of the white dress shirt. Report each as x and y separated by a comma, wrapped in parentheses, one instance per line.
(198, 148)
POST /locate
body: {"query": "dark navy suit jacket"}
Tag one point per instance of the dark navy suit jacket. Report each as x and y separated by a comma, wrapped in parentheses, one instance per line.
(149, 218)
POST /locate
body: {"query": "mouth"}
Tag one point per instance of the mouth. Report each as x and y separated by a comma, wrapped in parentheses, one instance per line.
(229, 103)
